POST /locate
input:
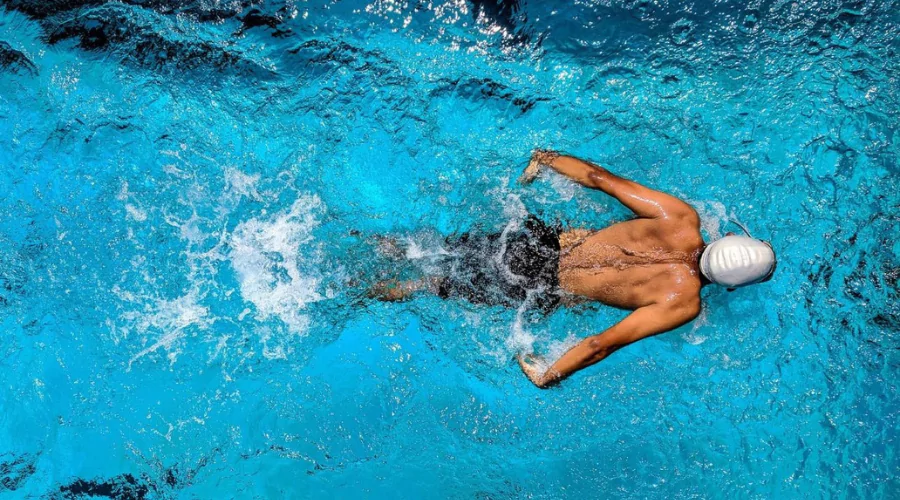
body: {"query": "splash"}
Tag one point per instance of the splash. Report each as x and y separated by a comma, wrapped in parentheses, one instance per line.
(563, 186)
(694, 337)
(173, 317)
(238, 184)
(276, 260)
(430, 248)
(713, 215)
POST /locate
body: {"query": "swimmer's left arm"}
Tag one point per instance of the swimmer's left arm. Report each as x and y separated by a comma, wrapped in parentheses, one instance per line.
(642, 323)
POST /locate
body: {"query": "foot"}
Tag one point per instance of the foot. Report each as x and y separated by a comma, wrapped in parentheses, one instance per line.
(391, 290)
(389, 247)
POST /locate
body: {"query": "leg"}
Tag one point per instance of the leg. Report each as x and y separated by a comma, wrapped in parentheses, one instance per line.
(388, 247)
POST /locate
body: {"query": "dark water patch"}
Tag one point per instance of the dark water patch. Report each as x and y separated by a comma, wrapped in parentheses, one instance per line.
(891, 276)
(750, 21)
(15, 470)
(887, 321)
(256, 18)
(338, 53)
(13, 278)
(125, 487)
(199, 10)
(480, 90)
(682, 31)
(859, 278)
(117, 28)
(42, 9)
(507, 14)
(318, 57)
(202, 11)
(14, 61)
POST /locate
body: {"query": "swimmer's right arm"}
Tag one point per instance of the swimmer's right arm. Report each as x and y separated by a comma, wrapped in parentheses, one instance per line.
(643, 201)
(642, 323)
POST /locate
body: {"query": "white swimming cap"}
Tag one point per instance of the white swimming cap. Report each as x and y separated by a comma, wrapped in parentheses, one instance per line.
(737, 261)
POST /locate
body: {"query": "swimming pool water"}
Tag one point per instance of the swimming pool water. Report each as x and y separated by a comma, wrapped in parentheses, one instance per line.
(189, 191)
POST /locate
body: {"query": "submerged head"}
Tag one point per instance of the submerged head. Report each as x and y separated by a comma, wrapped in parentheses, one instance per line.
(735, 261)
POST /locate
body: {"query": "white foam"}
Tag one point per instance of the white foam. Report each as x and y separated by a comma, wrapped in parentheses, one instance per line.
(416, 249)
(275, 261)
(563, 186)
(171, 317)
(519, 339)
(135, 213)
(514, 208)
(702, 320)
(132, 210)
(239, 184)
(713, 215)
(513, 225)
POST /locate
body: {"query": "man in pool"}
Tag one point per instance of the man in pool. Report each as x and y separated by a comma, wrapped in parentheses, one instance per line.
(653, 265)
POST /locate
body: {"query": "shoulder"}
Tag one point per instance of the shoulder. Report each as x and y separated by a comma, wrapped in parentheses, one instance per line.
(684, 214)
(683, 295)
(682, 226)
(680, 216)
(690, 308)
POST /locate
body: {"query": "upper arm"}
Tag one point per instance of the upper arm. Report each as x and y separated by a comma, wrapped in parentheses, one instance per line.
(650, 320)
(641, 200)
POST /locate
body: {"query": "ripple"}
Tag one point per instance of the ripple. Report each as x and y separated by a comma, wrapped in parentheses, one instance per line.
(788, 21)
(682, 31)
(673, 78)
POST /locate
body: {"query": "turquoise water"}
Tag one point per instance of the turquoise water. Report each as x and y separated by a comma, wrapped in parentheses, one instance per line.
(189, 192)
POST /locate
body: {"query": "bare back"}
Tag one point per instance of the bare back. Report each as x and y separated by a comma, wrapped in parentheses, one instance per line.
(648, 265)
(633, 263)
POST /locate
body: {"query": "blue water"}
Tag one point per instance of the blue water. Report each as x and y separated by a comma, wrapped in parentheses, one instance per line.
(189, 191)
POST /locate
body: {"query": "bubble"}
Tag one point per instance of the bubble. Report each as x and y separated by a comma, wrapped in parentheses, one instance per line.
(673, 78)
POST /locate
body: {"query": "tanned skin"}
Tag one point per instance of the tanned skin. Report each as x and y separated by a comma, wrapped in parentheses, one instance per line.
(649, 265)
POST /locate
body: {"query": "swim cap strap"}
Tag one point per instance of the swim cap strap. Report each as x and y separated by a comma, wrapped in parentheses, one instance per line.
(743, 227)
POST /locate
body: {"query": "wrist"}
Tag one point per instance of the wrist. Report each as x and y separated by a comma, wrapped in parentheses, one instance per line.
(545, 156)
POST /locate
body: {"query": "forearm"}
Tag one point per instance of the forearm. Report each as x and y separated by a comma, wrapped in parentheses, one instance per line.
(586, 353)
(642, 323)
(584, 173)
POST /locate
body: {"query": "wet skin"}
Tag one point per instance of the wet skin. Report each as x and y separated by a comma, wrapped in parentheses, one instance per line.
(648, 265)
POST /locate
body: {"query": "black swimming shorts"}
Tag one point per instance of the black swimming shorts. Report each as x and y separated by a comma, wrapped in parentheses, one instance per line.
(503, 268)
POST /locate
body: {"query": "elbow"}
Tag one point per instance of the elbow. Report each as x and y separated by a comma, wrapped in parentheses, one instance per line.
(596, 178)
(599, 348)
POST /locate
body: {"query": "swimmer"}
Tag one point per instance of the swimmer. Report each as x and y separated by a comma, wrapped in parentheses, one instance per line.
(653, 265)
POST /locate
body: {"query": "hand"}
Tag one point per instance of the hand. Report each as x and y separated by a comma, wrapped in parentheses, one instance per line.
(533, 367)
(539, 158)
(531, 172)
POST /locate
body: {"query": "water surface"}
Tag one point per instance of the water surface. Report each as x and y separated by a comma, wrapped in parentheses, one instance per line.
(187, 190)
